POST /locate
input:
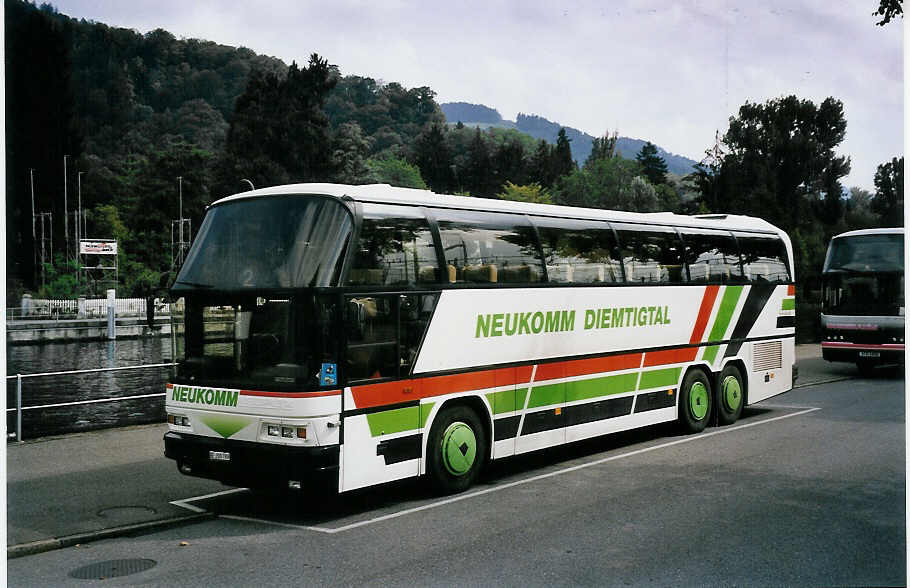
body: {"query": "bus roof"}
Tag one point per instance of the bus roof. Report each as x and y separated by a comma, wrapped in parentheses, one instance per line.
(384, 193)
(860, 232)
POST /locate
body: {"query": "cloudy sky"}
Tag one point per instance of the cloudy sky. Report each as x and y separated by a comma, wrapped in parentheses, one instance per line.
(669, 72)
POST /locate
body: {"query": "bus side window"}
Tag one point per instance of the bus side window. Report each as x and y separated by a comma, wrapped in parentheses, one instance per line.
(395, 248)
(650, 254)
(415, 312)
(489, 247)
(711, 256)
(764, 258)
(578, 251)
(371, 328)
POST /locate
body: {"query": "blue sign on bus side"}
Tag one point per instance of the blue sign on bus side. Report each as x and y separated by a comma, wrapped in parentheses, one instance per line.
(327, 374)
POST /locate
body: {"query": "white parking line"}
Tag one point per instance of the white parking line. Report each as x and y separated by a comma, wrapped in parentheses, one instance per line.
(183, 503)
(460, 497)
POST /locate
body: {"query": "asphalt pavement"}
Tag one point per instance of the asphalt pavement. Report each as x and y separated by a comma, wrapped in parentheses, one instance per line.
(73, 489)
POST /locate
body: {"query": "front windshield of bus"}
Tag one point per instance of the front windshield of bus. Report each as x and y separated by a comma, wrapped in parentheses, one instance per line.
(268, 243)
(864, 276)
(256, 342)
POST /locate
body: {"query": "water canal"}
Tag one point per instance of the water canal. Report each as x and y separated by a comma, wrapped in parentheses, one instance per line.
(83, 355)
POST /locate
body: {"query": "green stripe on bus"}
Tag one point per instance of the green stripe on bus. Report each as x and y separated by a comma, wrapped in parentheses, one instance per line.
(394, 421)
(659, 378)
(725, 312)
(788, 304)
(711, 353)
(547, 395)
(582, 390)
(507, 400)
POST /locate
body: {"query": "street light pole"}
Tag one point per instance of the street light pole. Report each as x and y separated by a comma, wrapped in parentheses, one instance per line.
(66, 224)
(31, 176)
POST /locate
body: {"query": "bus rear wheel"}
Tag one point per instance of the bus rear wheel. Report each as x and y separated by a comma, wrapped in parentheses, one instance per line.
(695, 402)
(729, 395)
(456, 449)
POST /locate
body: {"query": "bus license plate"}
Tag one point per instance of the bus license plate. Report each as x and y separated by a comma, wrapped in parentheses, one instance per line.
(219, 455)
(869, 354)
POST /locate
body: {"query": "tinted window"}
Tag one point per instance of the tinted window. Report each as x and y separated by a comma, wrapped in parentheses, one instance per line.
(712, 256)
(488, 247)
(764, 258)
(395, 248)
(650, 254)
(581, 252)
(270, 242)
(865, 253)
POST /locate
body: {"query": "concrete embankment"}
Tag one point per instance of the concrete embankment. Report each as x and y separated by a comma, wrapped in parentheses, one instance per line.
(21, 332)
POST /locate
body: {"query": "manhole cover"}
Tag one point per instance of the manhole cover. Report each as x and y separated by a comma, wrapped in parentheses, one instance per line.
(112, 569)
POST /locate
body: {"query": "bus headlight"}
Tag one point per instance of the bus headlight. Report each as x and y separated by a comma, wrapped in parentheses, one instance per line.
(179, 420)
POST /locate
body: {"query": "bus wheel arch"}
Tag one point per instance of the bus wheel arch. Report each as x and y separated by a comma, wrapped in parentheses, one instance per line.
(731, 392)
(458, 444)
(696, 400)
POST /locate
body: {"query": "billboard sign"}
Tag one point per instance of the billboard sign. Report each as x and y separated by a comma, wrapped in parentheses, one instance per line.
(97, 247)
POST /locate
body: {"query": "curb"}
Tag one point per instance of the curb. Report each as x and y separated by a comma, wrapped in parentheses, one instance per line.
(828, 381)
(23, 549)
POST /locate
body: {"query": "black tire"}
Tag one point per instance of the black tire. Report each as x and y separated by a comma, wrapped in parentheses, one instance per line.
(456, 449)
(866, 368)
(695, 402)
(730, 395)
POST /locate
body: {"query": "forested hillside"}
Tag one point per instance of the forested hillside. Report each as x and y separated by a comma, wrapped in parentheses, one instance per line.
(541, 128)
(126, 123)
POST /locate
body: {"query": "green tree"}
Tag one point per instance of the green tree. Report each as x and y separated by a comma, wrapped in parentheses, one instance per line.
(563, 164)
(889, 193)
(434, 159)
(859, 213)
(349, 155)
(608, 184)
(477, 176)
(888, 10)
(541, 167)
(776, 161)
(652, 165)
(395, 171)
(279, 132)
(603, 148)
(533, 193)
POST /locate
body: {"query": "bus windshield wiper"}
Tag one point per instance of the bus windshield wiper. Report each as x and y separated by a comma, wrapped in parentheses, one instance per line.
(195, 284)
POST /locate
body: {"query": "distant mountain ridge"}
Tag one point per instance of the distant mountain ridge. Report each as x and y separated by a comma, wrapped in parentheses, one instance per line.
(541, 128)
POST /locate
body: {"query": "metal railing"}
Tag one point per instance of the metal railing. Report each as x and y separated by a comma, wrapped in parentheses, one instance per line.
(19, 409)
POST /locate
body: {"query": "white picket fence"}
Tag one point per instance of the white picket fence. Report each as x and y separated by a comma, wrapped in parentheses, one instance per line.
(40, 308)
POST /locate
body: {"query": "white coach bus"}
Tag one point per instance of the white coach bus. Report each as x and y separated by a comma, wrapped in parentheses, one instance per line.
(363, 334)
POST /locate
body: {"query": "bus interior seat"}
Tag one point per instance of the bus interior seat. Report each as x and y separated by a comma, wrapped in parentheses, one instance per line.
(481, 273)
(426, 274)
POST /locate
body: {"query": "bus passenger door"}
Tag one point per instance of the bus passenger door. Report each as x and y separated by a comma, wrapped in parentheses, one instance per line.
(383, 418)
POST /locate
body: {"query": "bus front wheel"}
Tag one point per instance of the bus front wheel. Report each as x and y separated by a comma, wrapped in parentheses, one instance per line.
(695, 402)
(456, 449)
(729, 395)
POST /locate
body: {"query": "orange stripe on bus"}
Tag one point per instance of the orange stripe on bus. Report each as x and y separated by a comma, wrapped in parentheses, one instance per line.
(581, 367)
(704, 313)
(291, 394)
(384, 393)
(668, 356)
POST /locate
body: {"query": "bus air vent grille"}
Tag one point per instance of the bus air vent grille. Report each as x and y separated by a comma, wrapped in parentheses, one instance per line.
(767, 356)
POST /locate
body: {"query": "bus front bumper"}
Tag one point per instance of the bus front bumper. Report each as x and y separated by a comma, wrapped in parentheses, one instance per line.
(254, 465)
(852, 352)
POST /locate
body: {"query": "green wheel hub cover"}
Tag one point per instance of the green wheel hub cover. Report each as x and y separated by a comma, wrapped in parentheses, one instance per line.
(732, 393)
(459, 448)
(698, 401)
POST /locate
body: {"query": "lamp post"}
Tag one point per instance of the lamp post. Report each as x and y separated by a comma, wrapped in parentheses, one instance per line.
(31, 176)
(66, 224)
